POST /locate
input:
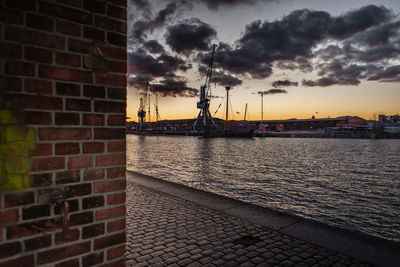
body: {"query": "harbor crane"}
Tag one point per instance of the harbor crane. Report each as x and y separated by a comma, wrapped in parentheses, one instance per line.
(204, 118)
(142, 108)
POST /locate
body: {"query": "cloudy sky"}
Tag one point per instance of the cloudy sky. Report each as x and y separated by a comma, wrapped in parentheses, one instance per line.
(309, 57)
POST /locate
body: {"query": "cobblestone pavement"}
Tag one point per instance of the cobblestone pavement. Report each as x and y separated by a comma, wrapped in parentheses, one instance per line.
(167, 231)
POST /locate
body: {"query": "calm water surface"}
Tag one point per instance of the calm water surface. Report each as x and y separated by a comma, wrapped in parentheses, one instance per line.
(353, 184)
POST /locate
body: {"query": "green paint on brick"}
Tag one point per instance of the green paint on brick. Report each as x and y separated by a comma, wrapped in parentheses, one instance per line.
(16, 146)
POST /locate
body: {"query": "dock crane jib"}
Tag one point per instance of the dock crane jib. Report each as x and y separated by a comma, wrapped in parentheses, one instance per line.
(205, 95)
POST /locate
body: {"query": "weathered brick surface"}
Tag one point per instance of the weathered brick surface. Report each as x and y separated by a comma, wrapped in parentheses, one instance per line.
(63, 80)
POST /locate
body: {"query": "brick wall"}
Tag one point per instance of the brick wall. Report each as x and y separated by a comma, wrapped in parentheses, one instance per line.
(62, 132)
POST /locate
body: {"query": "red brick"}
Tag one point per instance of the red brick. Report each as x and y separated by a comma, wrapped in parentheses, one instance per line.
(118, 263)
(43, 150)
(70, 89)
(33, 101)
(116, 199)
(79, 46)
(25, 261)
(94, 63)
(78, 104)
(38, 86)
(116, 225)
(93, 230)
(93, 119)
(39, 22)
(64, 133)
(10, 84)
(63, 252)
(34, 212)
(116, 12)
(109, 241)
(68, 59)
(118, 146)
(80, 190)
(9, 216)
(66, 177)
(94, 91)
(80, 162)
(81, 218)
(34, 37)
(108, 160)
(41, 179)
(75, 3)
(109, 133)
(94, 5)
(38, 54)
(92, 259)
(111, 52)
(119, 2)
(116, 172)
(111, 79)
(67, 148)
(45, 164)
(117, 66)
(68, 263)
(109, 106)
(93, 33)
(33, 228)
(110, 24)
(93, 202)
(59, 237)
(38, 117)
(117, 252)
(65, 13)
(93, 174)
(38, 243)
(20, 68)
(116, 39)
(68, 28)
(10, 50)
(67, 118)
(64, 74)
(93, 147)
(109, 186)
(12, 16)
(73, 204)
(18, 199)
(24, 4)
(116, 120)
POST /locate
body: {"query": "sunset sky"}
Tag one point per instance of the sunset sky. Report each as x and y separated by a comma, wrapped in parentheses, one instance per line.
(320, 57)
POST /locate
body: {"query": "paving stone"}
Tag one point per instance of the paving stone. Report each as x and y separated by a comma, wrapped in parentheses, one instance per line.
(163, 230)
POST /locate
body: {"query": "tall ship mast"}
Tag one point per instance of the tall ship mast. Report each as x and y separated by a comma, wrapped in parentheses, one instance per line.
(204, 119)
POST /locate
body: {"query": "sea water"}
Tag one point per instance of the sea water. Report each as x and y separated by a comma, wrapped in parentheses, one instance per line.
(349, 183)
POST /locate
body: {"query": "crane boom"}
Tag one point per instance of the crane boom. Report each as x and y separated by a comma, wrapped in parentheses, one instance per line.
(205, 96)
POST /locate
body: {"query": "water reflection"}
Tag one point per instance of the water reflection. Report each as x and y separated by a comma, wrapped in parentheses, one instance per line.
(353, 184)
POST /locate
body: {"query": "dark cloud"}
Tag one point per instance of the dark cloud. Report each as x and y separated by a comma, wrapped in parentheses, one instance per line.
(215, 4)
(141, 27)
(140, 62)
(153, 46)
(359, 20)
(390, 74)
(221, 77)
(143, 5)
(284, 83)
(289, 42)
(322, 82)
(174, 87)
(190, 35)
(272, 92)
